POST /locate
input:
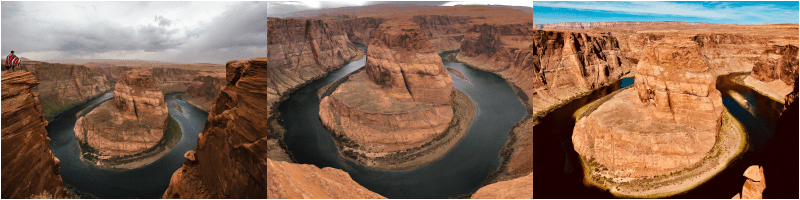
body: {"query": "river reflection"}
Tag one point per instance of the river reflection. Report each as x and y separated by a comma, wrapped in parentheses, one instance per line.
(149, 181)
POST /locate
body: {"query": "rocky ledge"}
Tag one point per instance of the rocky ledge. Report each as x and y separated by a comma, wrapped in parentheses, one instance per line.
(519, 188)
(29, 167)
(133, 122)
(400, 107)
(663, 136)
(295, 181)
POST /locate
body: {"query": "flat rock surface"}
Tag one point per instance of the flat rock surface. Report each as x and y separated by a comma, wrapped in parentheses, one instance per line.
(519, 188)
(295, 181)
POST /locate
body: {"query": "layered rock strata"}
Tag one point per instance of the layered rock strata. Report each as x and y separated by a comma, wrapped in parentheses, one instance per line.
(29, 167)
(360, 30)
(519, 188)
(669, 122)
(132, 122)
(203, 90)
(401, 101)
(300, 51)
(754, 185)
(294, 181)
(444, 32)
(229, 160)
(63, 85)
(775, 72)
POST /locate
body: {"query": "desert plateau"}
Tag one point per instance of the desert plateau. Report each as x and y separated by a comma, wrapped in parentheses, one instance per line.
(400, 100)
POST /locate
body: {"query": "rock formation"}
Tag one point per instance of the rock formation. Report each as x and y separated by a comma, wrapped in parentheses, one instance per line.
(300, 51)
(63, 85)
(780, 162)
(519, 188)
(775, 71)
(360, 30)
(134, 121)
(294, 181)
(402, 100)
(669, 122)
(444, 32)
(203, 90)
(29, 168)
(229, 161)
(754, 185)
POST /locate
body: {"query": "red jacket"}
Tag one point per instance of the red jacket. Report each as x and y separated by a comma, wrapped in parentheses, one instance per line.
(12, 60)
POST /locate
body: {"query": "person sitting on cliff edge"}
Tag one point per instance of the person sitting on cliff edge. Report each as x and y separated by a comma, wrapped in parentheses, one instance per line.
(12, 61)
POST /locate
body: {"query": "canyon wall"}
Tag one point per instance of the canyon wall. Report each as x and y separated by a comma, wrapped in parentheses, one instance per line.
(300, 51)
(62, 85)
(29, 167)
(360, 30)
(203, 90)
(444, 32)
(519, 188)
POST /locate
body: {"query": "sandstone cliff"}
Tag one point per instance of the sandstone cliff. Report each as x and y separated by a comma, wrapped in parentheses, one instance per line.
(229, 159)
(519, 188)
(63, 85)
(300, 51)
(775, 71)
(294, 181)
(134, 121)
(29, 168)
(360, 30)
(203, 90)
(401, 101)
(671, 124)
(444, 32)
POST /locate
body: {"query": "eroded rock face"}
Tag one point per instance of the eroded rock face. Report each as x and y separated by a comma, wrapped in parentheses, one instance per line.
(403, 98)
(777, 62)
(64, 85)
(361, 30)
(668, 122)
(229, 161)
(444, 32)
(204, 90)
(29, 168)
(294, 181)
(132, 122)
(299, 52)
(519, 188)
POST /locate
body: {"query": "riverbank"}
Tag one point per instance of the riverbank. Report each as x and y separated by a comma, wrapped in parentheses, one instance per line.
(775, 90)
(731, 142)
(172, 135)
(463, 113)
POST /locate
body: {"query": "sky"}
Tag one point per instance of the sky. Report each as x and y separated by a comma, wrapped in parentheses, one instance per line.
(750, 12)
(184, 32)
(284, 8)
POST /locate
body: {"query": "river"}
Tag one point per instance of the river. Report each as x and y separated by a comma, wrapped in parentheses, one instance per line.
(558, 166)
(459, 172)
(149, 181)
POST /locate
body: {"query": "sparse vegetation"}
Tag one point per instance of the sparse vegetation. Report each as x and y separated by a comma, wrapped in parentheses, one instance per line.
(77, 194)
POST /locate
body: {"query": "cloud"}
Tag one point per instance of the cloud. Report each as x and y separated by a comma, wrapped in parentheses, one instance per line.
(162, 21)
(187, 32)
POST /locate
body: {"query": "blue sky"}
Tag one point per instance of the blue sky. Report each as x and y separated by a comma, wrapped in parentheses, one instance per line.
(742, 12)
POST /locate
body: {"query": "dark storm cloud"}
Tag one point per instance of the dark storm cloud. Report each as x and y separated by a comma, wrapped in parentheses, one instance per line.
(240, 26)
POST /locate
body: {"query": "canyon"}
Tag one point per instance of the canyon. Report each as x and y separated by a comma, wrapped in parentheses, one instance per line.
(775, 72)
(66, 85)
(132, 123)
(29, 167)
(399, 106)
(665, 134)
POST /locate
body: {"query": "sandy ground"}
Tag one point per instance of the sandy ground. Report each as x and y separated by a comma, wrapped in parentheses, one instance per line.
(731, 142)
(775, 89)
